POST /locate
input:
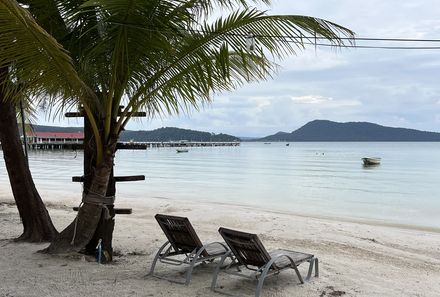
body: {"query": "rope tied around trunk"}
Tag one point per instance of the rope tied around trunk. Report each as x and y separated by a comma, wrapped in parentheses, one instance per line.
(96, 199)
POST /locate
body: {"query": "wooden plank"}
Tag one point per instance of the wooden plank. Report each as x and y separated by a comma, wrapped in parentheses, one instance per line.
(117, 210)
(80, 179)
(77, 179)
(131, 146)
(138, 114)
(74, 114)
(129, 178)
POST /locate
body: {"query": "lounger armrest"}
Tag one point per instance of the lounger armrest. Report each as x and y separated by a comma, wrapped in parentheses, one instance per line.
(266, 267)
(273, 259)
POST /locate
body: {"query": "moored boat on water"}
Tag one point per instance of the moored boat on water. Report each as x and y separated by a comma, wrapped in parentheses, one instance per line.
(371, 161)
(182, 150)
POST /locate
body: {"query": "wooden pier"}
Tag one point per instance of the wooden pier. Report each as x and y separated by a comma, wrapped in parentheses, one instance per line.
(56, 146)
(130, 145)
(159, 144)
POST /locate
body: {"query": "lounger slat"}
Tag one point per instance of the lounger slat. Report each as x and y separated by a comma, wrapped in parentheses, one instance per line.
(246, 247)
(180, 233)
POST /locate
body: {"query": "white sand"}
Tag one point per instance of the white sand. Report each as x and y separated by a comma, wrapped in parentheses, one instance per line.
(355, 259)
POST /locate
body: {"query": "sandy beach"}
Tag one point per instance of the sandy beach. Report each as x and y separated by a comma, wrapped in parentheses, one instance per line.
(356, 259)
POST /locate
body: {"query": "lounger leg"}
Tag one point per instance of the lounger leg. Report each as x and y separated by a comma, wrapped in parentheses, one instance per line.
(153, 265)
(309, 273)
(217, 270)
(189, 272)
(259, 286)
(316, 267)
(313, 262)
(298, 274)
(193, 263)
(261, 279)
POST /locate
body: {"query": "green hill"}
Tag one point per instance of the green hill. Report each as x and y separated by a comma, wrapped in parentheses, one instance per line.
(321, 130)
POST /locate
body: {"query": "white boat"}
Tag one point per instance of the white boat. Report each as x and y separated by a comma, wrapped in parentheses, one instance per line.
(371, 161)
(182, 150)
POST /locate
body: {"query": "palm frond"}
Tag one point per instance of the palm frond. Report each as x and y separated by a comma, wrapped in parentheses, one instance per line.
(37, 65)
(214, 58)
(160, 55)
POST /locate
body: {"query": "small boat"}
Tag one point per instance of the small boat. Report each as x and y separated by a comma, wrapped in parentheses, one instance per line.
(182, 150)
(371, 161)
(267, 143)
(287, 144)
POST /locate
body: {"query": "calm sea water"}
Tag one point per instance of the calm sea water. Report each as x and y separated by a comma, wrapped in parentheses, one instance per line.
(323, 179)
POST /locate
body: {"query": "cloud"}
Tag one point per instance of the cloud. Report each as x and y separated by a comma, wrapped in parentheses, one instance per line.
(390, 87)
(310, 99)
(325, 102)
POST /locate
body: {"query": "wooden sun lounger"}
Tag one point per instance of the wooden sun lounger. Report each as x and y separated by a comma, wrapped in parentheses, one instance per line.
(248, 252)
(184, 242)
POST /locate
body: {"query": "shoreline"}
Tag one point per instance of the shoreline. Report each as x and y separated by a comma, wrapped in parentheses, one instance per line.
(130, 201)
(371, 222)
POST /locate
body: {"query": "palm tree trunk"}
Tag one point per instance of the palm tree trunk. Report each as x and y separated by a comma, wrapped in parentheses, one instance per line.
(93, 210)
(37, 224)
(104, 230)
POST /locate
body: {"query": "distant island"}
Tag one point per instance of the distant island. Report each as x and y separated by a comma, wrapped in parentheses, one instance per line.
(323, 130)
(160, 135)
(174, 134)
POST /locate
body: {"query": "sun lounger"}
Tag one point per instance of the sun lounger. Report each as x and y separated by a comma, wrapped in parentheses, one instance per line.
(184, 246)
(248, 252)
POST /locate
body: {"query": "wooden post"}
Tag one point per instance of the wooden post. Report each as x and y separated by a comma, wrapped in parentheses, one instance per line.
(106, 225)
(104, 230)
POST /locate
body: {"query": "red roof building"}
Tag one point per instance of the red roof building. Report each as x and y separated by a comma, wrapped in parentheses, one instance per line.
(55, 137)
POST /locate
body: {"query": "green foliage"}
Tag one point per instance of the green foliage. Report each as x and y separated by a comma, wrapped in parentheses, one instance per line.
(36, 64)
(175, 134)
(162, 56)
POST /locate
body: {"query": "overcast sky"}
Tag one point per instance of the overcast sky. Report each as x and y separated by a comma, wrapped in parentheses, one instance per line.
(399, 88)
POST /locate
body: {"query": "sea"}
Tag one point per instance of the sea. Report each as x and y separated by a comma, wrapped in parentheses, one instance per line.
(320, 179)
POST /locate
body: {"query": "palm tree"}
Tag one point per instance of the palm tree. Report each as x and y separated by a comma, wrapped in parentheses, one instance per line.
(162, 56)
(29, 55)
(37, 225)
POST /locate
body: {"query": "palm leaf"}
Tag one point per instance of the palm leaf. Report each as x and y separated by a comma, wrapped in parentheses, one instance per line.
(214, 58)
(38, 65)
(162, 55)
